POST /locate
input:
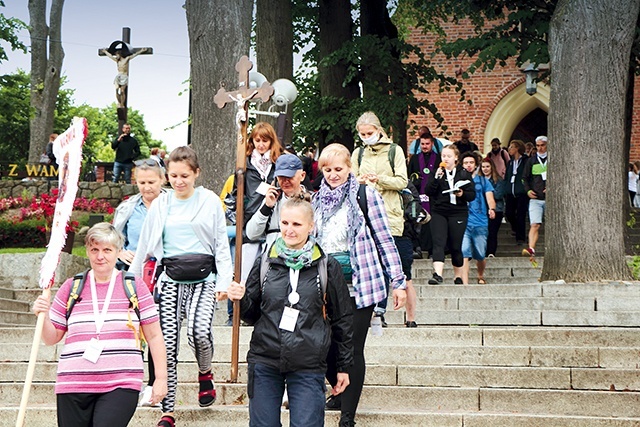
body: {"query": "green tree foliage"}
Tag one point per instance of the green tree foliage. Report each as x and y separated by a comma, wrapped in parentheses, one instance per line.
(102, 122)
(318, 118)
(9, 28)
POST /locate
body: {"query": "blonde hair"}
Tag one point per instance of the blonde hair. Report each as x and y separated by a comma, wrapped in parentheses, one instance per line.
(299, 204)
(105, 233)
(370, 118)
(334, 150)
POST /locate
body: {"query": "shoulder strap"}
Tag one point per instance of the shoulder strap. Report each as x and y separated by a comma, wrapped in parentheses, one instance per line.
(392, 157)
(129, 283)
(322, 272)
(76, 289)
(502, 153)
(360, 154)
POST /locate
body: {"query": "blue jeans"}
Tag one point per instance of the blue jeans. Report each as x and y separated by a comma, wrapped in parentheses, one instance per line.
(474, 242)
(306, 391)
(122, 167)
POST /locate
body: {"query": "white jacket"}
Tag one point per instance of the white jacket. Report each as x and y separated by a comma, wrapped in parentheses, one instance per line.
(209, 224)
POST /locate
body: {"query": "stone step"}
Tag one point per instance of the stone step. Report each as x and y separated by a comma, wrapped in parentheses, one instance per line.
(6, 293)
(505, 336)
(238, 416)
(491, 272)
(541, 377)
(511, 303)
(17, 317)
(518, 261)
(462, 399)
(386, 353)
(10, 304)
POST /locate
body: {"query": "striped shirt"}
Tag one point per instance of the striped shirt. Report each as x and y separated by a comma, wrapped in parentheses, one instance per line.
(120, 363)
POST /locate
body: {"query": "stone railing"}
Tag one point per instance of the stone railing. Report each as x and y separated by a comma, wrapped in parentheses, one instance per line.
(21, 271)
(113, 193)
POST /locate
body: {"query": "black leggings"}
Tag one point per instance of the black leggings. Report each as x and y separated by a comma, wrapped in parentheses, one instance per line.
(492, 238)
(112, 409)
(351, 396)
(448, 231)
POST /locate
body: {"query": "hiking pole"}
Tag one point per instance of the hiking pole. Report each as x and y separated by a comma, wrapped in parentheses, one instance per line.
(240, 97)
(68, 151)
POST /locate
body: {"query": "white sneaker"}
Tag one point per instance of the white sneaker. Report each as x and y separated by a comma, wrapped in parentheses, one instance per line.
(145, 397)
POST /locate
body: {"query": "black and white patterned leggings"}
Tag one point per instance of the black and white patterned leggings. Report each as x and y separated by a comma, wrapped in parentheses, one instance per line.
(196, 304)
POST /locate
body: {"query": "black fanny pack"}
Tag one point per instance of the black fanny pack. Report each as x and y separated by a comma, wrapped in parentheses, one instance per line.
(189, 268)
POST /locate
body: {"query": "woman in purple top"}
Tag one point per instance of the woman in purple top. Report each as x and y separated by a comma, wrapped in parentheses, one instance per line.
(100, 365)
(365, 249)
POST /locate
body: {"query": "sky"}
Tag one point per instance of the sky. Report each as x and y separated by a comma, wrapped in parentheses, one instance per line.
(155, 81)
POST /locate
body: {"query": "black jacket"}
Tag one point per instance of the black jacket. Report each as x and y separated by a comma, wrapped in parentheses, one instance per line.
(516, 188)
(127, 150)
(306, 348)
(441, 204)
(532, 176)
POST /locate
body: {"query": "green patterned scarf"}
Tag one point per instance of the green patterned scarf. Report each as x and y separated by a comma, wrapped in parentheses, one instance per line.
(295, 258)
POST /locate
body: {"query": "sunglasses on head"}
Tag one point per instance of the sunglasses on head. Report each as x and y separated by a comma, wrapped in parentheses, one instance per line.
(148, 162)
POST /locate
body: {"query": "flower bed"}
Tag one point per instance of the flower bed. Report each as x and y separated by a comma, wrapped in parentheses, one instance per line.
(25, 220)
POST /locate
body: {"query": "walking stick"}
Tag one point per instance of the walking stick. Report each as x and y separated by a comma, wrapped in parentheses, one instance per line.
(68, 148)
(240, 98)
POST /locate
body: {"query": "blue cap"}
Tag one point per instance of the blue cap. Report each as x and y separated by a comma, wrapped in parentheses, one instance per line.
(287, 165)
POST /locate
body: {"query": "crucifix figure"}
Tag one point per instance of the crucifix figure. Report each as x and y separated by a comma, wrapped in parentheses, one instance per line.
(121, 53)
(240, 98)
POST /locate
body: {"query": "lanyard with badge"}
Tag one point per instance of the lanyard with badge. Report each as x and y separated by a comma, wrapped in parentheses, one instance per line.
(543, 174)
(290, 314)
(450, 176)
(93, 351)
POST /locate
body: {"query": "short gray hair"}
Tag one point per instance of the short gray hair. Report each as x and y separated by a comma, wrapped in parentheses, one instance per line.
(106, 233)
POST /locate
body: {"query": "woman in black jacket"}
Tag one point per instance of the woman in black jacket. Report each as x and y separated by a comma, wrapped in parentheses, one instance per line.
(296, 316)
(449, 212)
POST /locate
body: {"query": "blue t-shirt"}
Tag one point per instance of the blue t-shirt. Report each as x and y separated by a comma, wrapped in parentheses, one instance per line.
(478, 209)
(134, 225)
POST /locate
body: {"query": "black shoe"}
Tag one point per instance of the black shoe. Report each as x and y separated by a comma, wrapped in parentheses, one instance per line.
(229, 322)
(411, 324)
(346, 420)
(417, 254)
(382, 321)
(457, 281)
(334, 403)
(436, 279)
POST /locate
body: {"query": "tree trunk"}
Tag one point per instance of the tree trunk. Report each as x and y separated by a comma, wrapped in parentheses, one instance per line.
(45, 72)
(335, 29)
(219, 34)
(386, 81)
(274, 49)
(589, 46)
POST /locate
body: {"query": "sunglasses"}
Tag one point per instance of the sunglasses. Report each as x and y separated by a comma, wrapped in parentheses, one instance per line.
(148, 162)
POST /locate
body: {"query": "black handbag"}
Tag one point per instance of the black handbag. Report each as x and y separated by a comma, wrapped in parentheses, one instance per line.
(189, 268)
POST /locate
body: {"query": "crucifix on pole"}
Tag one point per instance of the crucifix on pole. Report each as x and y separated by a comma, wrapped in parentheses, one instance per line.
(121, 52)
(240, 97)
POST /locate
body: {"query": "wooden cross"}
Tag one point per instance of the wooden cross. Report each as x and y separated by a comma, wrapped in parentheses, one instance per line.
(240, 97)
(121, 52)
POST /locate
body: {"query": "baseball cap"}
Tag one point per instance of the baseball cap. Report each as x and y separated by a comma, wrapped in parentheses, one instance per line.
(287, 165)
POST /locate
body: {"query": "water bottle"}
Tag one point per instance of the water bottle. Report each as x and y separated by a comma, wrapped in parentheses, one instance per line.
(376, 326)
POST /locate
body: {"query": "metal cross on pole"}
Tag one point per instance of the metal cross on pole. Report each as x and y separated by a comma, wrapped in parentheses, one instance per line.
(240, 98)
(121, 52)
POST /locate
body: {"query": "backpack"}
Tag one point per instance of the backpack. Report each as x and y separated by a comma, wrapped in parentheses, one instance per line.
(322, 273)
(128, 282)
(392, 156)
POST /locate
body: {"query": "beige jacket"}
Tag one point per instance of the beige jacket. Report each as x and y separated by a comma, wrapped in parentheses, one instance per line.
(375, 159)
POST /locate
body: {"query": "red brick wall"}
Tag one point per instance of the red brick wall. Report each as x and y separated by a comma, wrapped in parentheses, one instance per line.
(484, 89)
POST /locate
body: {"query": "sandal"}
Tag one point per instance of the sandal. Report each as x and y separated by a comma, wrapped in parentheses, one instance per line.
(481, 281)
(207, 393)
(166, 421)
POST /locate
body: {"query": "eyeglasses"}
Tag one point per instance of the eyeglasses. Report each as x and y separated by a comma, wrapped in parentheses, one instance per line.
(148, 162)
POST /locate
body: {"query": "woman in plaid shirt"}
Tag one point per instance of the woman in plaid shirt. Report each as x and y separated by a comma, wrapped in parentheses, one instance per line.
(365, 249)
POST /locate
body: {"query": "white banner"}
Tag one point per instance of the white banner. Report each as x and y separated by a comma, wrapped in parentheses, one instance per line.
(68, 151)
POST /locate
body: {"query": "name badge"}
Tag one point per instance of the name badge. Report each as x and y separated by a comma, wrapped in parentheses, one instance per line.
(93, 351)
(544, 175)
(513, 179)
(262, 188)
(289, 319)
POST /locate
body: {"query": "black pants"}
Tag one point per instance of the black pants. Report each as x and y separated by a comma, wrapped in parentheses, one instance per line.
(516, 210)
(351, 396)
(426, 243)
(448, 231)
(113, 409)
(492, 238)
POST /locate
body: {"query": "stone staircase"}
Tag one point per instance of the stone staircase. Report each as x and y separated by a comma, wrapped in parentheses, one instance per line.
(515, 352)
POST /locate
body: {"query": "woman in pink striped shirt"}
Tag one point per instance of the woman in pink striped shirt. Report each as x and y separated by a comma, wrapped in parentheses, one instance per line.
(100, 370)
